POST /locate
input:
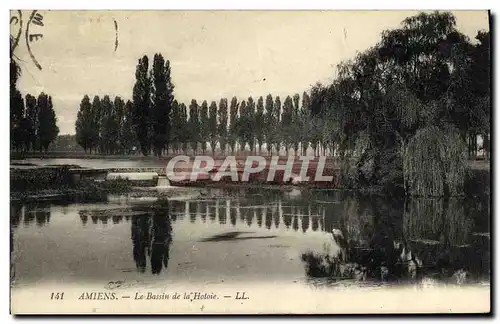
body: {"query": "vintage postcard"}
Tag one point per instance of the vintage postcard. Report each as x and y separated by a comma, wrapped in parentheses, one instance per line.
(250, 162)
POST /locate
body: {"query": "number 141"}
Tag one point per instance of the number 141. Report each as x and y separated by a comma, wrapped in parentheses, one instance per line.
(59, 295)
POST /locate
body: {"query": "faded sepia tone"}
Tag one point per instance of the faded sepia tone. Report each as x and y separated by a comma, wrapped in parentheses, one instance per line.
(393, 106)
(291, 50)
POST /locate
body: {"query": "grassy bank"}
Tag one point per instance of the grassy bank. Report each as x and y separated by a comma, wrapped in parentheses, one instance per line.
(58, 183)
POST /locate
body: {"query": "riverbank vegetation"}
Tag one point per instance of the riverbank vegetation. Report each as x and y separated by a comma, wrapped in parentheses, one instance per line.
(58, 182)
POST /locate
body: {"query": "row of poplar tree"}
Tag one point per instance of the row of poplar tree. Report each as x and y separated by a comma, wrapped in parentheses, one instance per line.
(33, 122)
(116, 127)
(155, 122)
(113, 126)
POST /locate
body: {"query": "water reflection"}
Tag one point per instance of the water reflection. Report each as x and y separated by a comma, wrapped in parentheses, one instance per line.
(379, 239)
(140, 241)
(31, 214)
(391, 241)
(162, 238)
(151, 237)
(224, 212)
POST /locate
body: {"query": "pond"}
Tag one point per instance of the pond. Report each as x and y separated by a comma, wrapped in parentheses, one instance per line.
(253, 235)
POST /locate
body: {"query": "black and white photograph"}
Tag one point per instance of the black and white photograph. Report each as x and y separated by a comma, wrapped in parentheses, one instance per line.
(236, 162)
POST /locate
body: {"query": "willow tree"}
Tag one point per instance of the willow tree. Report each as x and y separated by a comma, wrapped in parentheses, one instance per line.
(438, 219)
(430, 107)
(401, 97)
(435, 162)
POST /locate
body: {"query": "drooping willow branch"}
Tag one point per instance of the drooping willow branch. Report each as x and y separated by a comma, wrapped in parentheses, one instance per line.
(435, 162)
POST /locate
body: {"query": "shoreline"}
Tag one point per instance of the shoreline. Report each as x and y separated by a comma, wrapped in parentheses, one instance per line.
(29, 182)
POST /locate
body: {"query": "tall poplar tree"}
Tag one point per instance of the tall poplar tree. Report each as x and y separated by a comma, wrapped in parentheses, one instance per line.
(47, 127)
(96, 120)
(233, 118)
(84, 123)
(31, 122)
(259, 122)
(162, 99)
(270, 123)
(212, 125)
(142, 105)
(222, 124)
(194, 125)
(286, 123)
(175, 127)
(204, 127)
(128, 137)
(277, 120)
(184, 132)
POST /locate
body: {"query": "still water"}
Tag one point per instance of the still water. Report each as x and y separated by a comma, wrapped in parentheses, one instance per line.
(100, 163)
(246, 235)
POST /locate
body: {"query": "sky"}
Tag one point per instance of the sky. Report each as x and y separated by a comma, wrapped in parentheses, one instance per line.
(213, 54)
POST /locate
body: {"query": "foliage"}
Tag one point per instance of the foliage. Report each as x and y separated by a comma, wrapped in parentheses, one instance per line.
(33, 127)
(222, 124)
(212, 126)
(162, 99)
(204, 127)
(411, 99)
(270, 122)
(194, 125)
(259, 127)
(141, 99)
(233, 118)
(84, 123)
(47, 121)
(435, 162)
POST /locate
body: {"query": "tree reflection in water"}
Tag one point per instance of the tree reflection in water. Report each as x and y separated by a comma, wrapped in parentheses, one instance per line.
(162, 238)
(379, 240)
(152, 236)
(408, 241)
(141, 240)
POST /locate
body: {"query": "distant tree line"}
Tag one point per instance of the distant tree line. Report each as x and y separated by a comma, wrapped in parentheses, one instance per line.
(117, 127)
(104, 125)
(112, 127)
(33, 122)
(66, 142)
(259, 126)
